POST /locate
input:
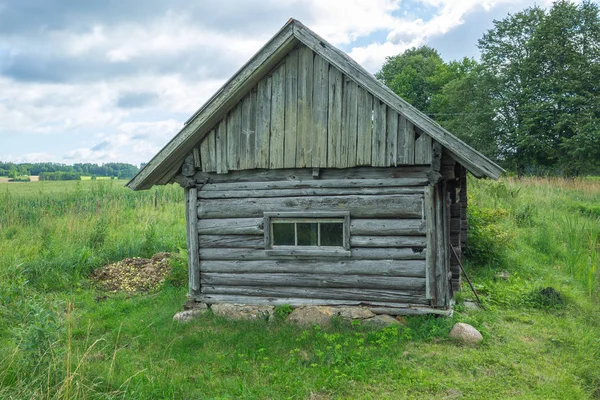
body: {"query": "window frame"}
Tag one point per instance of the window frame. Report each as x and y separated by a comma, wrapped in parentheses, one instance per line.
(308, 217)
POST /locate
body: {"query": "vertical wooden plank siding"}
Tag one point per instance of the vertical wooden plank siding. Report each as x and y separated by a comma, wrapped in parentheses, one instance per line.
(423, 146)
(248, 132)
(276, 146)
(406, 143)
(197, 162)
(212, 152)
(319, 112)
(430, 249)
(364, 127)
(349, 122)
(392, 138)
(334, 123)
(379, 128)
(441, 266)
(307, 113)
(263, 122)
(204, 158)
(234, 120)
(221, 146)
(191, 218)
(291, 109)
(203, 154)
(305, 88)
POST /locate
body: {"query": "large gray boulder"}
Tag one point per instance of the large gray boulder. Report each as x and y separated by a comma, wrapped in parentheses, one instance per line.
(313, 315)
(466, 334)
(242, 311)
(353, 313)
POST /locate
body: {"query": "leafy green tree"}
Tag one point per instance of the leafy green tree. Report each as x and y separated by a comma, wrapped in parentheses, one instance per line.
(415, 75)
(542, 68)
(455, 94)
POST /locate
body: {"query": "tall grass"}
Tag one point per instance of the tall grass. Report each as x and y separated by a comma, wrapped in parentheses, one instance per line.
(60, 338)
(545, 218)
(54, 239)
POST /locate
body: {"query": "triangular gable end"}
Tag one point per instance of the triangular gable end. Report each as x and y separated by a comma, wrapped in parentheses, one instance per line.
(307, 113)
(300, 90)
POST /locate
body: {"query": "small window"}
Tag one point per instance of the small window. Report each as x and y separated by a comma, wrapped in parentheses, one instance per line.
(317, 233)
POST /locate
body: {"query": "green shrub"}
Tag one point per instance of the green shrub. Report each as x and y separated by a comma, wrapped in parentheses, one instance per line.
(487, 240)
(178, 275)
(282, 312)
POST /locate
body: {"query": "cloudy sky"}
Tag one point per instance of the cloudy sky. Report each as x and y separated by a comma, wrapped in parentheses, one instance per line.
(114, 80)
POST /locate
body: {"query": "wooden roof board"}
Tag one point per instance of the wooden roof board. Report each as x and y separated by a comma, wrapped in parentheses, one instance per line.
(164, 166)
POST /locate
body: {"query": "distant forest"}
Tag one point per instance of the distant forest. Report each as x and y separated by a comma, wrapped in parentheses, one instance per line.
(55, 171)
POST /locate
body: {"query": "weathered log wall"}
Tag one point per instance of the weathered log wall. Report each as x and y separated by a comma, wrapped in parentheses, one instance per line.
(385, 266)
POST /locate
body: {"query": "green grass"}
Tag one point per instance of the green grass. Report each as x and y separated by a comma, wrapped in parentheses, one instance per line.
(59, 338)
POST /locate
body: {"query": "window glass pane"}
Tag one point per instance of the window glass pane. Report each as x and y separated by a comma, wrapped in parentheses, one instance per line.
(308, 234)
(332, 234)
(283, 234)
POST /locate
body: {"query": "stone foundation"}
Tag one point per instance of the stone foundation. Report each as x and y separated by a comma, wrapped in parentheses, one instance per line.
(303, 316)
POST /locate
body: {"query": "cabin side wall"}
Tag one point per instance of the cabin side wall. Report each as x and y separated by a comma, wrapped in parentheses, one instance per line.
(386, 265)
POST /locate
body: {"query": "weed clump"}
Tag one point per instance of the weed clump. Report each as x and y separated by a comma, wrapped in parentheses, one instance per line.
(547, 298)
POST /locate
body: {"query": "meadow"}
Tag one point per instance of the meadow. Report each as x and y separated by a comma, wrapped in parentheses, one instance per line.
(62, 338)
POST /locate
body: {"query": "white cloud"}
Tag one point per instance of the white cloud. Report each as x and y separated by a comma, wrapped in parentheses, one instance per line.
(30, 158)
(408, 31)
(133, 142)
(343, 21)
(179, 60)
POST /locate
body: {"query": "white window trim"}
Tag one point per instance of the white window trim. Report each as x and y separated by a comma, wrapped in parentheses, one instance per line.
(308, 216)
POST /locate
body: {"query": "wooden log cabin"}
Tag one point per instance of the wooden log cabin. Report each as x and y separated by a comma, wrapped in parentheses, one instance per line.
(308, 182)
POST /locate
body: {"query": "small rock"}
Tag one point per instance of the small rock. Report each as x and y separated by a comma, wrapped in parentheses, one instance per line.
(352, 313)
(381, 321)
(503, 275)
(188, 315)
(190, 304)
(466, 334)
(471, 305)
(402, 320)
(242, 311)
(312, 315)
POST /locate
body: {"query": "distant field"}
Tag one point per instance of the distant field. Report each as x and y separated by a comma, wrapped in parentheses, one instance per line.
(99, 178)
(61, 338)
(5, 179)
(48, 187)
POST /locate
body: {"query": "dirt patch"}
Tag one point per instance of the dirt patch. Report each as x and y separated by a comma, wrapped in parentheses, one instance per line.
(133, 274)
(33, 178)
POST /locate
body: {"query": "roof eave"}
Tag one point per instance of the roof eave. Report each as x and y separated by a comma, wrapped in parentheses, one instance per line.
(288, 36)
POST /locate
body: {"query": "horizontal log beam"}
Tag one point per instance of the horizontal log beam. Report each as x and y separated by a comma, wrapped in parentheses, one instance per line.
(408, 268)
(318, 293)
(302, 192)
(245, 241)
(293, 301)
(356, 254)
(305, 174)
(388, 241)
(387, 227)
(361, 227)
(231, 226)
(313, 280)
(386, 206)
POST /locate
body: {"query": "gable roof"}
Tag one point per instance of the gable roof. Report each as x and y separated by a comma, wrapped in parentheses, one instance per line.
(165, 165)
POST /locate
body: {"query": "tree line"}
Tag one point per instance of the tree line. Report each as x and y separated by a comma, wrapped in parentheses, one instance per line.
(57, 171)
(532, 102)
